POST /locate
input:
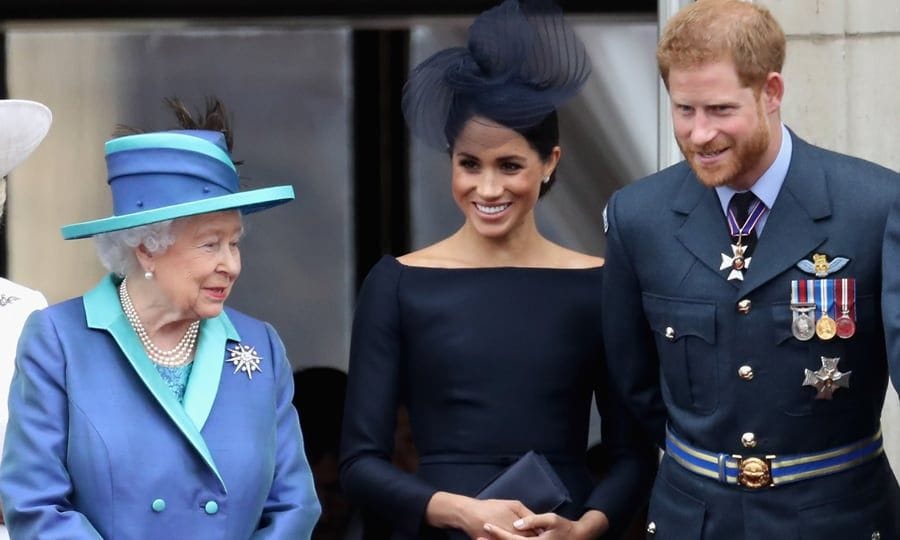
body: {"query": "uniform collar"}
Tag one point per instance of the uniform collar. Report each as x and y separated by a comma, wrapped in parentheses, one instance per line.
(768, 185)
(803, 201)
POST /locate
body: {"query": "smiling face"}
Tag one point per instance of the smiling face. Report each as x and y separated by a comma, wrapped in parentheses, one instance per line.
(196, 273)
(497, 178)
(728, 133)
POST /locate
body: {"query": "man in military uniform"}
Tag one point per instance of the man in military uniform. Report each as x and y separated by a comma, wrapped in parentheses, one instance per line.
(743, 287)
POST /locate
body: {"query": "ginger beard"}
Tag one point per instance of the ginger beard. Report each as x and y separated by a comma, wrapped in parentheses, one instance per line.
(742, 156)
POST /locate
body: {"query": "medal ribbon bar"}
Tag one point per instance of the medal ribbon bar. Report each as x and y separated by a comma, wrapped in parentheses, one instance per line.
(803, 308)
(753, 217)
(824, 289)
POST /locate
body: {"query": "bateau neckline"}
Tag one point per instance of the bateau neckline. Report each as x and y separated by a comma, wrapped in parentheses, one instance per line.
(464, 268)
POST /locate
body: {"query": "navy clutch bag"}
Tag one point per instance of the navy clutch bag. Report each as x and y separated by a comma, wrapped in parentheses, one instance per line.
(531, 480)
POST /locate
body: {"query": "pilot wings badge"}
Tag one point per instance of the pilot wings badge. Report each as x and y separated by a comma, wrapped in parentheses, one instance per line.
(820, 266)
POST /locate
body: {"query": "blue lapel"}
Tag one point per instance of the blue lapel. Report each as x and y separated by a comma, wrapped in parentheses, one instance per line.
(791, 232)
(104, 312)
(208, 365)
(704, 231)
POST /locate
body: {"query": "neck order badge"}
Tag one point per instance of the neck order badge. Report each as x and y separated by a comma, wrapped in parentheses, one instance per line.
(744, 213)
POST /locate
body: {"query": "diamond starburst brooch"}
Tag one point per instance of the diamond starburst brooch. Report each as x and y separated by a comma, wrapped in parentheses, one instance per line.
(245, 358)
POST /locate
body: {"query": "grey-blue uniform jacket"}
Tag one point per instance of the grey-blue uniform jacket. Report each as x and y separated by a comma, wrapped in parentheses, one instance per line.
(716, 362)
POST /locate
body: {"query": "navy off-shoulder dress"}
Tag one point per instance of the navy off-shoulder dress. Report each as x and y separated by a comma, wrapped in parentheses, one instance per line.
(491, 363)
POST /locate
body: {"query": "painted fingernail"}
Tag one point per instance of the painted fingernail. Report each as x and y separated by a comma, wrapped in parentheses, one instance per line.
(519, 523)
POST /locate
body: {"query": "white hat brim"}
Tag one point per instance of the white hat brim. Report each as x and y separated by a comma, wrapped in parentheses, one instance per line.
(23, 125)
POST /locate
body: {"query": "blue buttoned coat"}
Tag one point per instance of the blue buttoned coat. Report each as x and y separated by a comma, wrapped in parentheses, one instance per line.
(677, 339)
(99, 447)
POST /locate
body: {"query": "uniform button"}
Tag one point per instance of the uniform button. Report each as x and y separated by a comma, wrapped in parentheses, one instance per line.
(748, 440)
(651, 528)
(158, 505)
(670, 333)
(744, 306)
(745, 372)
(211, 507)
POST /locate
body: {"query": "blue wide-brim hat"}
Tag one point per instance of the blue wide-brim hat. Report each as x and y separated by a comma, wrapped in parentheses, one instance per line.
(171, 174)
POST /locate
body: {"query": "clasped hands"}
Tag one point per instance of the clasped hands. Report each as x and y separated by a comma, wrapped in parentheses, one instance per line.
(496, 519)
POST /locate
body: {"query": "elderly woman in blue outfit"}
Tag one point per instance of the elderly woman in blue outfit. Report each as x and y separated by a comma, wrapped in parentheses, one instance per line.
(146, 408)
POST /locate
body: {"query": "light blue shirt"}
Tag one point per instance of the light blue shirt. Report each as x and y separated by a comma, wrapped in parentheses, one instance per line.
(769, 184)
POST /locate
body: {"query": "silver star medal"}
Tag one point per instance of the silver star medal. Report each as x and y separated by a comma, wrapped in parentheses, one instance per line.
(737, 262)
(827, 379)
(245, 359)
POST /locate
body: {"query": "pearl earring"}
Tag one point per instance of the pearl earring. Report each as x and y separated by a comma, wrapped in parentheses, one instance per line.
(545, 179)
(148, 275)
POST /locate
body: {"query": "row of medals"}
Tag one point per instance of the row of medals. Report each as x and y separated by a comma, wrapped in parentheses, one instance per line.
(825, 328)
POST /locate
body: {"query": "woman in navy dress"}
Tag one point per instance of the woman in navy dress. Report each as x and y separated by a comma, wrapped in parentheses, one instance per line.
(492, 336)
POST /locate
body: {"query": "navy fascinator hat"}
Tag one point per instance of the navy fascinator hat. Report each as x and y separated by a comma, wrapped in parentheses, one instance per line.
(521, 63)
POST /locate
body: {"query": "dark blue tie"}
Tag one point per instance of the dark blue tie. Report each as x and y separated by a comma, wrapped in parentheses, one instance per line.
(740, 206)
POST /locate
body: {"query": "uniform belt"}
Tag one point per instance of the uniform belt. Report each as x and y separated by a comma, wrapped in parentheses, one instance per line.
(771, 470)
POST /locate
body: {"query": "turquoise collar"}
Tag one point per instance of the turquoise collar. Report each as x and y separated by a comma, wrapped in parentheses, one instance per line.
(104, 312)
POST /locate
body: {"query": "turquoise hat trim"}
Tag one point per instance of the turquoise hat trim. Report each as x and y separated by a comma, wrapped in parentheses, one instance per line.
(173, 174)
(176, 141)
(245, 201)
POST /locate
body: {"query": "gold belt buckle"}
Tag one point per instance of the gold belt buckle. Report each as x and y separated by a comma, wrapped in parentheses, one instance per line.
(754, 472)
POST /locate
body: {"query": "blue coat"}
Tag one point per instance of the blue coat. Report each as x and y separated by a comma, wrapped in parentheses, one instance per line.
(99, 447)
(666, 236)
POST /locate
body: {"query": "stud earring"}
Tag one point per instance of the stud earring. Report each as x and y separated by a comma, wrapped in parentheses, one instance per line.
(148, 275)
(545, 179)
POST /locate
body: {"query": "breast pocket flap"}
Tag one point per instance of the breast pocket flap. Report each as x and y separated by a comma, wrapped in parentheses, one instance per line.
(675, 319)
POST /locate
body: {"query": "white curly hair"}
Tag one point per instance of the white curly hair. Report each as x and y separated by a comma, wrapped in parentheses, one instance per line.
(116, 248)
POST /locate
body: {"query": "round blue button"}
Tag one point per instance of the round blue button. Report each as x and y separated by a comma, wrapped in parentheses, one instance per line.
(158, 505)
(211, 507)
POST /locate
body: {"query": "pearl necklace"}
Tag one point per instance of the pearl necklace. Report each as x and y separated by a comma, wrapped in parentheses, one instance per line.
(181, 355)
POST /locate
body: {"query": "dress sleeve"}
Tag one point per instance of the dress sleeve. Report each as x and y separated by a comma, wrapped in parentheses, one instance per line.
(629, 458)
(370, 411)
(292, 507)
(35, 485)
